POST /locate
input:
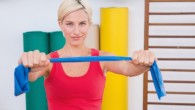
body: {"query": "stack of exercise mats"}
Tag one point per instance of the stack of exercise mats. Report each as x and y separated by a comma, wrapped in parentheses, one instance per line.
(44, 42)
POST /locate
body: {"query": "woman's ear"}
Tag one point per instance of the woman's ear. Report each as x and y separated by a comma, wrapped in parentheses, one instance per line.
(90, 22)
(60, 24)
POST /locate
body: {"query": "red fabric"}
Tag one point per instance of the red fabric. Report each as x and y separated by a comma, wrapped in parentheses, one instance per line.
(75, 93)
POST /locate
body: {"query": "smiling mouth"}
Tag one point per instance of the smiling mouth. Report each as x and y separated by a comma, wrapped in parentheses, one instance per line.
(76, 38)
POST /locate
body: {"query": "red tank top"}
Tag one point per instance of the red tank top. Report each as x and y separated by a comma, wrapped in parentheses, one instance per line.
(75, 93)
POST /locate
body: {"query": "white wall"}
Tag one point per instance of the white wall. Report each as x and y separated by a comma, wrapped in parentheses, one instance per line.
(18, 16)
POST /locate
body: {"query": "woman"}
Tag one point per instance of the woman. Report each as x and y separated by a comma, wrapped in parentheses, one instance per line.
(78, 86)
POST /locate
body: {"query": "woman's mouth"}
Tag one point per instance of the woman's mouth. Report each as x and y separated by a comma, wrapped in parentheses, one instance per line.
(76, 38)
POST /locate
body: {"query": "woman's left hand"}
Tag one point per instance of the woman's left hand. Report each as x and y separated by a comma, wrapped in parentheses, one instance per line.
(143, 57)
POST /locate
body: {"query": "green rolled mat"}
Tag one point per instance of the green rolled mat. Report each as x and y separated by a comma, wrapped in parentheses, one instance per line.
(36, 98)
(57, 40)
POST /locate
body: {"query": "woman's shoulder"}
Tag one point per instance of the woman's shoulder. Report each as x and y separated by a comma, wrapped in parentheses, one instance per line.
(54, 54)
(105, 53)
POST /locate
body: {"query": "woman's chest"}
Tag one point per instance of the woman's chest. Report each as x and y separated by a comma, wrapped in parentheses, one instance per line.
(75, 69)
(89, 85)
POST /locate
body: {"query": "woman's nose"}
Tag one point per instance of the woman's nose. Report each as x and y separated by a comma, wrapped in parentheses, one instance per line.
(76, 30)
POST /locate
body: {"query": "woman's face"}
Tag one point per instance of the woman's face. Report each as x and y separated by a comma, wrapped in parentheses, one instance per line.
(75, 27)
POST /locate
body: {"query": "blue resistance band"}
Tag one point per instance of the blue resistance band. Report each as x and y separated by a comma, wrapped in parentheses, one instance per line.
(21, 72)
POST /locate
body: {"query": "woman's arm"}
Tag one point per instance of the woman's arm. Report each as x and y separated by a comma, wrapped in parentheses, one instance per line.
(38, 62)
(141, 62)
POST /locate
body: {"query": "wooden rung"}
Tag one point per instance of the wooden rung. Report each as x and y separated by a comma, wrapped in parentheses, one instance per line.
(168, 81)
(166, 103)
(172, 13)
(179, 70)
(172, 1)
(177, 59)
(174, 92)
(172, 24)
(190, 82)
(168, 36)
(173, 47)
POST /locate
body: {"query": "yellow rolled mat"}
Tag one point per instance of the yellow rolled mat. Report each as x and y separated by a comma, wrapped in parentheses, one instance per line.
(92, 39)
(114, 39)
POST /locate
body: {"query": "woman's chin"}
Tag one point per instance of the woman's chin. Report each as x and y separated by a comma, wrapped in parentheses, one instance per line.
(77, 43)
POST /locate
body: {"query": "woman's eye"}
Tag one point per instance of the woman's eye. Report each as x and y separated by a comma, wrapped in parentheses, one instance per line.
(69, 24)
(82, 23)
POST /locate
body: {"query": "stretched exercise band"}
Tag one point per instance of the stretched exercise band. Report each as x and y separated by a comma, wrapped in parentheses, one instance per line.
(21, 72)
(90, 59)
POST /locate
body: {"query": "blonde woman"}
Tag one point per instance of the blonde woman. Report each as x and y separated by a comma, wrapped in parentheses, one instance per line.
(78, 86)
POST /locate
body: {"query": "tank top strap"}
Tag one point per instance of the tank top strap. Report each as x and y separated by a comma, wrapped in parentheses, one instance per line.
(54, 54)
(94, 52)
(54, 65)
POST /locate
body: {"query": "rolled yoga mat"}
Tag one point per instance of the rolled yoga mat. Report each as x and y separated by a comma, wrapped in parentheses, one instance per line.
(92, 39)
(114, 39)
(36, 98)
(57, 40)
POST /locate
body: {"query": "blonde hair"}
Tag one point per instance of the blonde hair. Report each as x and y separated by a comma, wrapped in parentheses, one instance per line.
(69, 6)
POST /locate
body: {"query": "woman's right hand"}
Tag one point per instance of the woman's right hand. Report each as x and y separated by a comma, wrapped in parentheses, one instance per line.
(37, 61)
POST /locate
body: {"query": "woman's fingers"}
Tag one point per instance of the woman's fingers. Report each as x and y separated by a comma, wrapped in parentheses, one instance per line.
(152, 58)
(147, 58)
(34, 59)
(143, 57)
(135, 57)
(43, 60)
(24, 59)
(30, 59)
